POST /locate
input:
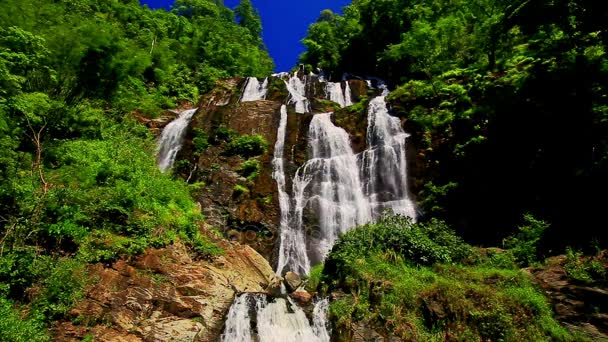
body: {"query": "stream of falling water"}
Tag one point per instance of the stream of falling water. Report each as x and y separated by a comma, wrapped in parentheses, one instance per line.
(254, 91)
(171, 139)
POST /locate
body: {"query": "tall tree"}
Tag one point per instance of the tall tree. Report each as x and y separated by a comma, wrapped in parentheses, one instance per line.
(249, 18)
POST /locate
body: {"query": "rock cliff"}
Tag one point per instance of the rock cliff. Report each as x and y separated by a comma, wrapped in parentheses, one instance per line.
(165, 295)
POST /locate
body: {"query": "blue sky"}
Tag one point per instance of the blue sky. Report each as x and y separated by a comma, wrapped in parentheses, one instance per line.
(285, 23)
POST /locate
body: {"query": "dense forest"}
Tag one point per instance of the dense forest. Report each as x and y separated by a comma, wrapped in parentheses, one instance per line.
(78, 179)
(507, 102)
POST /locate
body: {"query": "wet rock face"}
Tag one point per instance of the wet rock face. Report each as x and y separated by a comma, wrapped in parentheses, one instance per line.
(165, 295)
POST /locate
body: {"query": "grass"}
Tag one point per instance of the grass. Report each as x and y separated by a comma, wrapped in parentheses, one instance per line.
(426, 295)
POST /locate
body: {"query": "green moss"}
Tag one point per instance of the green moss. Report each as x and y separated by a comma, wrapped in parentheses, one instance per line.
(240, 190)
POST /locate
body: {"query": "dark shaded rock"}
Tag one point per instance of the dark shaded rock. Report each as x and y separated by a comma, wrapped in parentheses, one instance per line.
(580, 307)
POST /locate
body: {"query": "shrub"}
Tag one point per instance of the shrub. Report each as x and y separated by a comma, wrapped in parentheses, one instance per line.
(524, 244)
(222, 134)
(200, 141)
(247, 146)
(15, 328)
(250, 169)
(421, 243)
(583, 269)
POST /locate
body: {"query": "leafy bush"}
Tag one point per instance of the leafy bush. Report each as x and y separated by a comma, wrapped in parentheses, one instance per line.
(61, 288)
(584, 269)
(524, 244)
(15, 328)
(222, 134)
(405, 279)
(200, 141)
(240, 190)
(250, 169)
(420, 243)
(247, 146)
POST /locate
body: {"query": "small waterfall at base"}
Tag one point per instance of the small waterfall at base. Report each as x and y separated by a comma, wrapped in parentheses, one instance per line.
(276, 320)
(171, 139)
(254, 91)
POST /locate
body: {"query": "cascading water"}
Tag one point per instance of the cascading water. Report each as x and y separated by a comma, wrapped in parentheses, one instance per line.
(254, 91)
(335, 93)
(329, 187)
(348, 97)
(336, 189)
(384, 165)
(171, 139)
(277, 320)
(297, 94)
(290, 240)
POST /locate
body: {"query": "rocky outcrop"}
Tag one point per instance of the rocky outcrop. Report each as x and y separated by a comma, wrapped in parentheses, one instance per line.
(166, 295)
(579, 307)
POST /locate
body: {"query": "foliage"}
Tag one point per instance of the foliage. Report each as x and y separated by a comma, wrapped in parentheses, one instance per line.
(504, 102)
(524, 244)
(392, 291)
(200, 141)
(247, 146)
(314, 278)
(240, 190)
(250, 169)
(16, 329)
(420, 244)
(583, 269)
(78, 177)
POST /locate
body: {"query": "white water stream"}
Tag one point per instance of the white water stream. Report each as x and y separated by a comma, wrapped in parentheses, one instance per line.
(172, 138)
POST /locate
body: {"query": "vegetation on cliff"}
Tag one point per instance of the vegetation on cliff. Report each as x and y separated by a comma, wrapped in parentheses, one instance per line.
(420, 282)
(78, 177)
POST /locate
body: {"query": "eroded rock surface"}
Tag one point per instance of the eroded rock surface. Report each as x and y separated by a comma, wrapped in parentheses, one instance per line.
(577, 306)
(165, 295)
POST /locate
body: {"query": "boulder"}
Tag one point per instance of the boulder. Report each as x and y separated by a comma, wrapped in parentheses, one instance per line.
(302, 297)
(292, 281)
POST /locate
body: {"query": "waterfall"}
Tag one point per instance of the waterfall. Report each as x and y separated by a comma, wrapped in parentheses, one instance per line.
(336, 189)
(321, 326)
(334, 93)
(297, 94)
(328, 186)
(384, 164)
(291, 240)
(238, 327)
(254, 91)
(278, 320)
(171, 139)
(348, 97)
(333, 191)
